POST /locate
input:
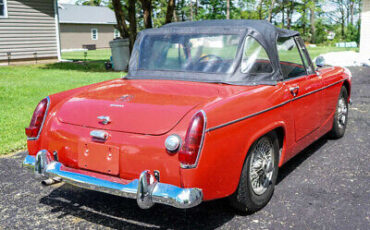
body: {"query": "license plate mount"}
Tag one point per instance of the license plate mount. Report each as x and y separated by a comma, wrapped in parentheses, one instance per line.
(99, 158)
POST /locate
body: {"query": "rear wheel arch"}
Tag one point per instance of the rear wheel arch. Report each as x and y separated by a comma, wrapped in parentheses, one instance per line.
(280, 131)
(242, 198)
(347, 85)
(340, 118)
(277, 127)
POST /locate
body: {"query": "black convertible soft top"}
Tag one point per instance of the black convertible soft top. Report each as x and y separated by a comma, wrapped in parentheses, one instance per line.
(265, 28)
(264, 32)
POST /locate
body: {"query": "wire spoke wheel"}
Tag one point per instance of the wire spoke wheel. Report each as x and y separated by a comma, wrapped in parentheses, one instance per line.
(341, 115)
(259, 174)
(261, 165)
(342, 112)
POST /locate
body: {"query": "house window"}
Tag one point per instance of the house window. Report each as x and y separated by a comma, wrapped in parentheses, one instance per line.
(94, 34)
(116, 34)
(3, 9)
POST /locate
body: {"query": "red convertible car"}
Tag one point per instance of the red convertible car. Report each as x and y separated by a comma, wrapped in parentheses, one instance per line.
(208, 110)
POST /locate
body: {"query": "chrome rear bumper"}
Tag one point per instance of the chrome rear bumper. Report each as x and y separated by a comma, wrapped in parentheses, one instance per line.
(146, 190)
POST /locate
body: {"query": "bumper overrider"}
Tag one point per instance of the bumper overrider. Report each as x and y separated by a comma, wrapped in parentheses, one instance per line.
(146, 190)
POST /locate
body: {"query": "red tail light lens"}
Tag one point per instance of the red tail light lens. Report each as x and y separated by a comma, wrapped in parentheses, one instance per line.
(37, 119)
(193, 141)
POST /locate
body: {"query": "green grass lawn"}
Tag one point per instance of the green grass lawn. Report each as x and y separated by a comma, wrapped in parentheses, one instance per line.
(92, 55)
(316, 51)
(22, 87)
(104, 54)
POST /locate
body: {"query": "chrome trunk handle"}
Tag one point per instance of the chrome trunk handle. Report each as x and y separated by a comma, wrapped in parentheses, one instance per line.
(104, 119)
(99, 134)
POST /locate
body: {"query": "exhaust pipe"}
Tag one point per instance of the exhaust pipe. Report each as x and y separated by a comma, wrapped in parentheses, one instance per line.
(51, 181)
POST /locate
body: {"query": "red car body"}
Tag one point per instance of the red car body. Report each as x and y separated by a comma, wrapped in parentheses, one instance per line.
(139, 133)
(152, 109)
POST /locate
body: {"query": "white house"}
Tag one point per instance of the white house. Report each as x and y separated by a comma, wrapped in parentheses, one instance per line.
(365, 29)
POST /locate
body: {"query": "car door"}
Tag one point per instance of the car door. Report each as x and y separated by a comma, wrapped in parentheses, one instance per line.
(303, 86)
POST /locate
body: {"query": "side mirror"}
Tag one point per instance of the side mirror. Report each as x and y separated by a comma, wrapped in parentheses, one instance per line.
(320, 61)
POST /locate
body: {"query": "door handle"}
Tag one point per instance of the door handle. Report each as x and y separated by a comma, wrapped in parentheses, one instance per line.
(294, 90)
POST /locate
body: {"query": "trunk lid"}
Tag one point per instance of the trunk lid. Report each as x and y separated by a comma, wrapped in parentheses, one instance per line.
(136, 106)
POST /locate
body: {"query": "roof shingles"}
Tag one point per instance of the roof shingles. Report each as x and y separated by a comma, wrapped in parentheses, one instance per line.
(69, 13)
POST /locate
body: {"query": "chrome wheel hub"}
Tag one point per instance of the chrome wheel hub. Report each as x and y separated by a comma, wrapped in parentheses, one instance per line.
(261, 166)
(342, 112)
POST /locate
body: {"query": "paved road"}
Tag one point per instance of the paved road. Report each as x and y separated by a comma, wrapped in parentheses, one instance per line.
(326, 187)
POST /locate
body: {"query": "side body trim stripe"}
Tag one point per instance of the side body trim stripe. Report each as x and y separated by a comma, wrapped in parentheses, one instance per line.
(271, 108)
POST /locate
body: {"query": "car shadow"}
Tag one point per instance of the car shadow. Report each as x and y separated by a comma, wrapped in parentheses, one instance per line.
(297, 160)
(117, 212)
(83, 66)
(121, 213)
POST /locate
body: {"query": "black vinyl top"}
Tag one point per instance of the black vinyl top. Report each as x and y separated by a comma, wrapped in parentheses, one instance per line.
(264, 32)
(265, 28)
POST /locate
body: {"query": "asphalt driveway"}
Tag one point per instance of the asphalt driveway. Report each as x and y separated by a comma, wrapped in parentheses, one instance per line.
(327, 186)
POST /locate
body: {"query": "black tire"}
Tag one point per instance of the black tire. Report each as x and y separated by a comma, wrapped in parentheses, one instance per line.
(245, 199)
(339, 125)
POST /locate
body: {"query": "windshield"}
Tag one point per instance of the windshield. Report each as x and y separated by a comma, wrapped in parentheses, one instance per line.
(203, 53)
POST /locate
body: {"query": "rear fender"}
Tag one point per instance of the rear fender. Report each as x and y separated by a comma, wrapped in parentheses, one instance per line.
(259, 133)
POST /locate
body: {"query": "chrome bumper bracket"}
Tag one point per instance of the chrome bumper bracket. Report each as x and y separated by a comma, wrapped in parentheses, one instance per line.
(146, 190)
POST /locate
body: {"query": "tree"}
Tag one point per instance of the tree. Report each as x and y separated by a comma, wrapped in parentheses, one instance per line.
(320, 34)
(89, 2)
(181, 7)
(351, 9)
(342, 14)
(125, 31)
(120, 17)
(289, 14)
(259, 9)
(147, 10)
(212, 9)
(227, 9)
(282, 7)
(312, 21)
(301, 9)
(196, 8)
(342, 18)
(170, 10)
(132, 20)
(306, 16)
(191, 11)
(270, 10)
